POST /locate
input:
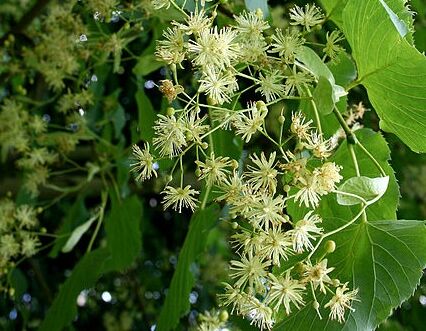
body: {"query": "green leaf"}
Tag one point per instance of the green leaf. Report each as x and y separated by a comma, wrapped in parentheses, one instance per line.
(177, 299)
(318, 68)
(75, 216)
(370, 189)
(323, 96)
(123, 232)
(253, 5)
(383, 259)
(147, 64)
(146, 116)
(334, 9)
(374, 142)
(18, 282)
(77, 234)
(343, 69)
(85, 274)
(118, 120)
(391, 69)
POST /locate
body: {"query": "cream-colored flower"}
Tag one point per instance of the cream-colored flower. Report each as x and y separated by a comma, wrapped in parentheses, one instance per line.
(327, 176)
(143, 165)
(341, 301)
(285, 291)
(270, 85)
(195, 23)
(248, 124)
(287, 44)
(219, 86)
(26, 216)
(251, 271)
(267, 212)
(214, 169)
(194, 127)
(263, 175)
(308, 17)
(300, 126)
(251, 23)
(260, 314)
(180, 197)
(274, 245)
(332, 49)
(170, 135)
(214, 48)
(304, 231)
(321, 148)
(308, 194)
(171, 49)
(318, 275)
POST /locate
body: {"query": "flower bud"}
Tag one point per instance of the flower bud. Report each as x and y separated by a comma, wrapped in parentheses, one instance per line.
(234, 164)
(330, 246)
(234, 225)
(170, 111)
(335, 282)
(198, 172)
(316, 305)
(204, 145)
(281, 119)
(223, 316)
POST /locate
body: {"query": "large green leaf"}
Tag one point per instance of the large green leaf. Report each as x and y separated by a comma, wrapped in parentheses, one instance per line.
(146, 116)
(177, 299)
(84, 275)
(123, 231)
(391, 69)
(334, 10)
(383, 259)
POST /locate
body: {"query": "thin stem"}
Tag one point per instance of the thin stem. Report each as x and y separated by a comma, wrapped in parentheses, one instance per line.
(372, 158)
(354, 159)
(350, 195)
(349, 134)
(316, 112)
(206, 196)
(335, 231)
(100, 219)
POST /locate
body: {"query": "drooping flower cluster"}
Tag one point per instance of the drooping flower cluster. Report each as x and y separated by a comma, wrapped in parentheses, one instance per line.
(18, 236)
(239, 74)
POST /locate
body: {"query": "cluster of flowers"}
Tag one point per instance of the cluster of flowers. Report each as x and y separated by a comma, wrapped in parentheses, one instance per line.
(17, 235)
(257, 195)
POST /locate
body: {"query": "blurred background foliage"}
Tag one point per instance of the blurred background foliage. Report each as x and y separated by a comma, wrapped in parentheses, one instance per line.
(77, 88)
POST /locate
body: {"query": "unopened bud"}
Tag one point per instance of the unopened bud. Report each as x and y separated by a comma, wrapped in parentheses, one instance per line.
(169, 178)
(170, 111)
(234, 164)
(316, 305)
(260, 105)
(259, 13)
(281, 119)
(234, 225)
(335, 282)
(330, 246)
(223, 316)
(299, 267)
(287, 188)
(204, 145)
(198, 172)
